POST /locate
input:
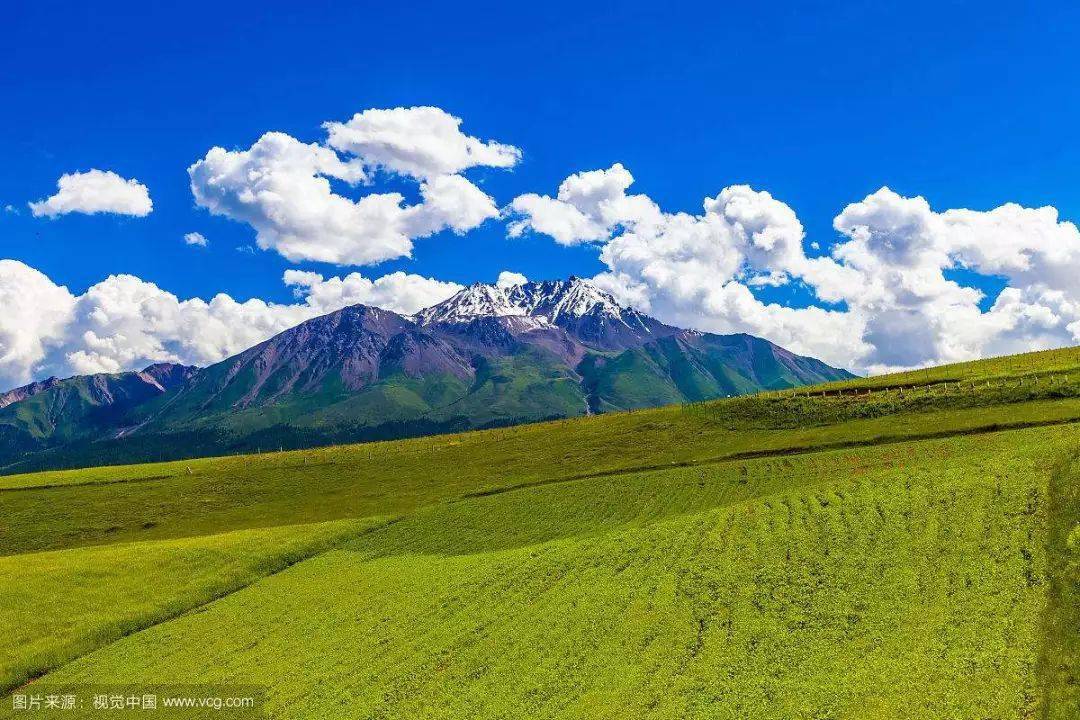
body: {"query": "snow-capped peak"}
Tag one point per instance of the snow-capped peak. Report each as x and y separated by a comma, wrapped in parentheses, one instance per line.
(560, 299)
(553, 300)
(477, 300)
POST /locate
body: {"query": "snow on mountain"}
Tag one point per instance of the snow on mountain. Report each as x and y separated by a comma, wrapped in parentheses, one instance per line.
(477, 300)
(556, 301)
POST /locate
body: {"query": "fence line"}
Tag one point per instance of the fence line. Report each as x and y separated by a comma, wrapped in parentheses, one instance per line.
(946, 386)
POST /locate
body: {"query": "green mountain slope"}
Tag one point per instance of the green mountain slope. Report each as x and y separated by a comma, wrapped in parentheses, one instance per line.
(689, 367)
(89, 406)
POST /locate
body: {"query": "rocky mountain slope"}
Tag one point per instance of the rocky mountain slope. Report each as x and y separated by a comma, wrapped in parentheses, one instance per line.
(488, 355)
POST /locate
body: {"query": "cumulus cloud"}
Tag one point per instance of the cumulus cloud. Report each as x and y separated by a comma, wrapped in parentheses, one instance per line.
(398, 291)
(884, 297)
(95, 191)
(36, 311)
(449, 201)
(197, 239)
(694, 270)
(283, 187)
(588, 207)
(124, 322)
(509, 279)
(913, 314)
(421, 142)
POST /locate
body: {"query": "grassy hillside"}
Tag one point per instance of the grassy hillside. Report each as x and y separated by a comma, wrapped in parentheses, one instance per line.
(887, 554)
(60, 605)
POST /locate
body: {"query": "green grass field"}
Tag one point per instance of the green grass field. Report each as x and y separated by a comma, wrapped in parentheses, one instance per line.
(908, 554)
(61, 604)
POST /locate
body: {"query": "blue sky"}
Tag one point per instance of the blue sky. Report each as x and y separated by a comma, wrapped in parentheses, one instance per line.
(970, 105)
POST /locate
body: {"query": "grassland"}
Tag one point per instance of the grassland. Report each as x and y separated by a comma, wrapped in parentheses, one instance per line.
(59, 605)
(887, 555)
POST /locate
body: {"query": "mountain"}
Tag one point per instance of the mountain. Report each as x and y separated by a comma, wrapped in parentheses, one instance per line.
(21, 393)
(576, 306)
(54, 412)
(489, 355)
(690, 366)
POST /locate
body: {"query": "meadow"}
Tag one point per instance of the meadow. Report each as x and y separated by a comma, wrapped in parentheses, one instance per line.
(888, 554)
(60, 604)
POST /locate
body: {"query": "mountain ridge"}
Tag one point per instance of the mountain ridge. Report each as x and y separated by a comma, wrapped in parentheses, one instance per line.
(488, 355)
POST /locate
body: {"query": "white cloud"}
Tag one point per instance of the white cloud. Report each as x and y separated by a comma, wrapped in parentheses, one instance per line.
(421, 142)
(403, 293)
(35, 312)
(449, 202)
(562, 221)
(694, 270)
(125, 323)
(589, 207)
(95, 191)
(914, 315)
(883, 298)
(282, 187)
(197, 239)
(510, 279)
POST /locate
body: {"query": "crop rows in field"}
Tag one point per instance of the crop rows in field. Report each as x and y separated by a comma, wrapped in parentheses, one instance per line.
(62, 604)
(905, 581)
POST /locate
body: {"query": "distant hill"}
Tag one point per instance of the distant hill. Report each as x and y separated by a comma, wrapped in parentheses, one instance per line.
(487, 356)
